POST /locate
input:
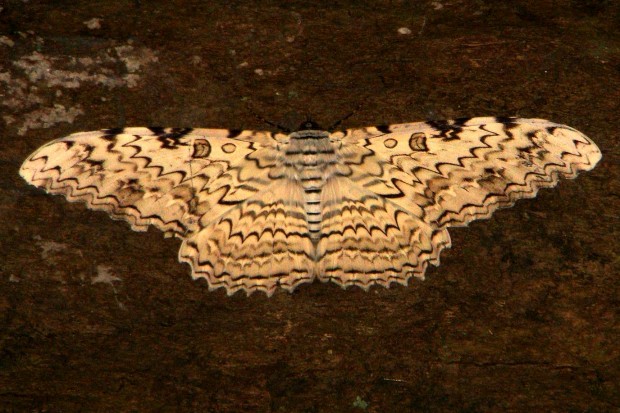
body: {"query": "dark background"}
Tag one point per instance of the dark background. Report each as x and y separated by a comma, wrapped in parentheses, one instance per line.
(522, 314)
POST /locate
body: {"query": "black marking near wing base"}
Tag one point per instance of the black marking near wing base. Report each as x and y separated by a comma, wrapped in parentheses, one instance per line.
(384, 129)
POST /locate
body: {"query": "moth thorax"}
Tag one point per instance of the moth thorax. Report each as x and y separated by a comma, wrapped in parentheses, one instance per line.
(310, 150)
(309, 134)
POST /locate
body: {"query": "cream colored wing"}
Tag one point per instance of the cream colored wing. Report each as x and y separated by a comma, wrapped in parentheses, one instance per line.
(408, 183)
(257, 211)
(242, 229)
(258, 245)
(168, 178)
(368, 239)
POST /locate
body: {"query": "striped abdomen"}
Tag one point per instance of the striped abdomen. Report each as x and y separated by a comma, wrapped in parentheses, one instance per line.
(310, 157)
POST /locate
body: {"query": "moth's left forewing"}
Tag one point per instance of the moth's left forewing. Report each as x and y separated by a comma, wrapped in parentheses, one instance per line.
(464, 169)
(449, 173)
(381, 160)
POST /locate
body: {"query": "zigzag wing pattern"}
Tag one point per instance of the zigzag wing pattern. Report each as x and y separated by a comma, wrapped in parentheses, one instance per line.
(258, 245)
(440, 174)
(465, 169)
(368, 239)
(168, 178)
(257, 210)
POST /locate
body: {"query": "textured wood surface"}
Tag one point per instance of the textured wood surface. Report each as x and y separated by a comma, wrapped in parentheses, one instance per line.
(522, 314)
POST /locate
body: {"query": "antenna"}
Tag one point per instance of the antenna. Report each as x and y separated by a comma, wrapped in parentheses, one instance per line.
(353, 112)
(267, 121)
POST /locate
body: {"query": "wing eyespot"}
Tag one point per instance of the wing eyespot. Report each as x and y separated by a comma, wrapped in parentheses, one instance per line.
(229, 148)
(390, 143)
(202, 148)
(417, 142)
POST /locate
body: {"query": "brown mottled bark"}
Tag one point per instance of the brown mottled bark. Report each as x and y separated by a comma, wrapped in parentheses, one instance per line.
(522, 315)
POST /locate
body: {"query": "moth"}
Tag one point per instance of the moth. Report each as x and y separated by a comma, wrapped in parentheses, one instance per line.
(259, 210)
